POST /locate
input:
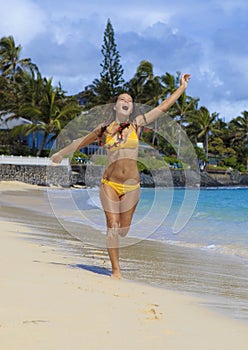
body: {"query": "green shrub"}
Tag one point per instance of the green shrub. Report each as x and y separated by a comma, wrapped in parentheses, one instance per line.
(230, 162)
(100, 160)
(151, 163)
(79, 158)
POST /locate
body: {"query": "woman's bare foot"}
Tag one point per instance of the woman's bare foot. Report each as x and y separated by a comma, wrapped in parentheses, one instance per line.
(116, 274)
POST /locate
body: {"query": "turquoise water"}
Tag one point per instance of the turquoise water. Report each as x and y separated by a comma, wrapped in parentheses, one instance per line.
(206, 219)
(219, 222)
(206, 232)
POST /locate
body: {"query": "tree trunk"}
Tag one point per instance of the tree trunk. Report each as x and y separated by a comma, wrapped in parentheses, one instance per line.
(179, 139)
(207, 145)
(45, 136)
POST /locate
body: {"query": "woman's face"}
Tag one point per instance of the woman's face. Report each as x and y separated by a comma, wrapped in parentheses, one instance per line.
(124, 106)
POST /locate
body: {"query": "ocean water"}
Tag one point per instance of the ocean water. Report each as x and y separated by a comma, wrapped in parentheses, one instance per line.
(206, 219)
(194, 241)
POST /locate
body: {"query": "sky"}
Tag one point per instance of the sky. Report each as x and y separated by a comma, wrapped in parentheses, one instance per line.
(205, 38)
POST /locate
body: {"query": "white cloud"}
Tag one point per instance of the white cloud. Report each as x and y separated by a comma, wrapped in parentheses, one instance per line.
(204, 38)
(125, 16)
(228, 109)
(22, 19)
(67, 31)
(208, 75)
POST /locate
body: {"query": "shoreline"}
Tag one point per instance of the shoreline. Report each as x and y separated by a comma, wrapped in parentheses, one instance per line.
(52, 303)
(184, 269)
(54, 298)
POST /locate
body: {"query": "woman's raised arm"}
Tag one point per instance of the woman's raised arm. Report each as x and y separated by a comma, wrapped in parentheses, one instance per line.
(156, 112)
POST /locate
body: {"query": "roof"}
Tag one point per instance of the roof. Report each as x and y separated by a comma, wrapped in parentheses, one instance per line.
(6, 124)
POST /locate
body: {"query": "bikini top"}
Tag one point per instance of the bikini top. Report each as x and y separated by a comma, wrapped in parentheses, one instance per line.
(116, 141)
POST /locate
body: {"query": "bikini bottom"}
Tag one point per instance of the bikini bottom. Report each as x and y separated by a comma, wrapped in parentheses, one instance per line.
(120, 189)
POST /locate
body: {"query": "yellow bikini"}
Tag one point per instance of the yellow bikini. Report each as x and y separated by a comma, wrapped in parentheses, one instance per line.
(120, 189)
(113, 144)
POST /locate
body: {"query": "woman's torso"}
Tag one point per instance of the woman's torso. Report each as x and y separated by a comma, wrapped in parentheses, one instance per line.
(122, 155)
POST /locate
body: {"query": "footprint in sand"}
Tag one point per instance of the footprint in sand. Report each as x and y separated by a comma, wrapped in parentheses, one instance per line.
(153, 312)
(34, 321)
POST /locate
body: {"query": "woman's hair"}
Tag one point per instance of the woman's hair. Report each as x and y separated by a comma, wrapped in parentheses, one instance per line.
(114, 98)
(109, 113)
(136, 108)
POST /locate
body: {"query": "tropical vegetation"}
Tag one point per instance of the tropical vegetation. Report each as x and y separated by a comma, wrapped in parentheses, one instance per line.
(25, 93)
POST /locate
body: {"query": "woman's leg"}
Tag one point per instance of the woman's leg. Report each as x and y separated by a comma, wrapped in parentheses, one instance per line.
(128, 205)
(119, 213)
(111, 202)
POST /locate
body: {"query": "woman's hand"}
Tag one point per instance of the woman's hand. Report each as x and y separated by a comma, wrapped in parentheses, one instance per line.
(184, 80)
(56, 158)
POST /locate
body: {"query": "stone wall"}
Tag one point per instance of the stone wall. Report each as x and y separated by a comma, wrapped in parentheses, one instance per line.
(244, 180)
(91, 176)
(36, 174)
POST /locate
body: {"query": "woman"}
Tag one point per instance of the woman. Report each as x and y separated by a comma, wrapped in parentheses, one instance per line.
(120, 187)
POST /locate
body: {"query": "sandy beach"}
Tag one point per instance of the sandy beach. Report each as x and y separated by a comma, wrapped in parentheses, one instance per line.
(47, 302)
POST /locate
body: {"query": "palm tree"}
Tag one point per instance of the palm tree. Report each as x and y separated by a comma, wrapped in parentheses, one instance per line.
(182, 110)
(239, 127)
(184, 107)
(10, 62)
(31, 86)
(12, 67)
(48, 114)
(146, 89)
(4, 95)
(203, 121)
(170, 81)
(136, 85)
(30, 94)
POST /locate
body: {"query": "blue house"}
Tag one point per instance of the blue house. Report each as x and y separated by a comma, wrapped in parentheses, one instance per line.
(33, 140)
